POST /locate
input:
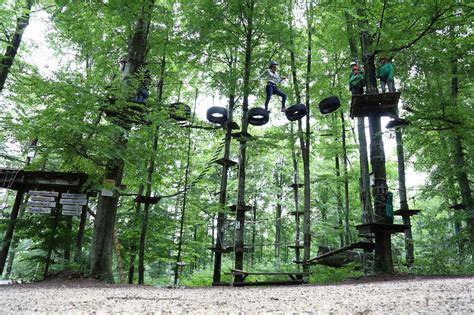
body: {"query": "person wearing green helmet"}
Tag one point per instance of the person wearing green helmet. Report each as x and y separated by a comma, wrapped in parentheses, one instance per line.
(356, 79)
(385, 73)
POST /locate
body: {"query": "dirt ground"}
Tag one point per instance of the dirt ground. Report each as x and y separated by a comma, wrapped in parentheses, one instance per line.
(397, 295)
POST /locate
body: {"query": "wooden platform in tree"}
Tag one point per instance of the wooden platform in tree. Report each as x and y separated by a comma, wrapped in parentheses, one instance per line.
(227, 162)
(227, 249)
(233, 125)
(379, 227)
(406, 213)
(296, 186)
(132, 113)
(299, 213)
(149, 200)
(41, 180)
(379, 104)
(234, 208)
(358, 245)
(242, 136)
(296, 246)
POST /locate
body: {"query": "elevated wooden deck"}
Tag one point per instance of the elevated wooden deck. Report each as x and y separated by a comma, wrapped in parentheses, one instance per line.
(41, 180)
(379, 104)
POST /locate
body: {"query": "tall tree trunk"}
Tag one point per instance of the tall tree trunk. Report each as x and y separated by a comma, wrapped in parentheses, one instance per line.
(185, 195)
(305, 145)
(248, 12)
(67, 248)
(133, 247)
(57, 213)
(102, 241)
(14, 244)
(460, 164)
(347, 232)
(293, 140)
(339, 201)
(279, 195)
(118, 254)
(383, 245)
(7, 238)
(364, 184)
(12, 47)
(221, 216)
(80, 235)
(150, 171)
(254, 233)
(146, 208)
(409, 250)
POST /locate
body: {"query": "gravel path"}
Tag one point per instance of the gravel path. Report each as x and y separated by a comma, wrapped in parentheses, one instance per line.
(434, 295)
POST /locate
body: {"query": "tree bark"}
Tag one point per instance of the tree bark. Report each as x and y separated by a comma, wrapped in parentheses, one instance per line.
(460, 164)
(57, 213)
(248, 11)
(409, 250)
(102, 242)
(279, 195)
(347, 234)
(383, 245)
(7, 238)
(67, 248)
(305, 145)
(221, 216)
(133, 247)
(293, 149)
(119, 258)
(80, 235)
(365, 197)
(12, 47)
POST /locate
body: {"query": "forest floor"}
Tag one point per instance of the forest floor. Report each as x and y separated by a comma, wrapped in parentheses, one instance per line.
(399, 294)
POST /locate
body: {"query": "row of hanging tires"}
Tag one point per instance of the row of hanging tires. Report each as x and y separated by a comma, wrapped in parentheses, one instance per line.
(259, 116)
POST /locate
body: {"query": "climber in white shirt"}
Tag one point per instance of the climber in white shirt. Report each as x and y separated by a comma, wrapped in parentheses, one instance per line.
(272, 80)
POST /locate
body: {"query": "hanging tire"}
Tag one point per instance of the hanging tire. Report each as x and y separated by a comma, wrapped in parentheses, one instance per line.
(180, 111)
(217, 115)
(329, 104)
(296, 112)
(257, 116)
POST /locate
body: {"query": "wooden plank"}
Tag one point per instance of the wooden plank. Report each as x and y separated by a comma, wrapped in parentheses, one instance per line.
(381, 227)
(228, 162)
(406, 212)
(258, 283)
(378, 104)
(150, 200)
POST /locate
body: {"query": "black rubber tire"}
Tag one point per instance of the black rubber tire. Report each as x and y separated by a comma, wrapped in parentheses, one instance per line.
(217, 115)
(296, 112)
(180, 111)
(329, 105)
(258, 116)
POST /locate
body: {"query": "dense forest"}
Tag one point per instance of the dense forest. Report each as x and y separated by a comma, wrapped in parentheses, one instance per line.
(174, 198)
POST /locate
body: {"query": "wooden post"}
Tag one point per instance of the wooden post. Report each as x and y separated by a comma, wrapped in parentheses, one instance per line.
(383, 246)
(221, 216)
(57, 212)
(10, 229)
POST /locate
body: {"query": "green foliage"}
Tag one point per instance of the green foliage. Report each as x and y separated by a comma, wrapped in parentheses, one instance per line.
(199, 48)
(324, 275)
